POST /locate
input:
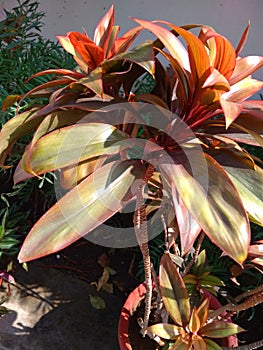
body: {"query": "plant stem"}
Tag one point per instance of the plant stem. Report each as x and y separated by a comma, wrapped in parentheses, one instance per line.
(141, 231)
(197, 250)
(253, 298)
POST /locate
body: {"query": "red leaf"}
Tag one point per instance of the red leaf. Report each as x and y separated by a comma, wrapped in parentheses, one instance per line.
(122, 44)
(243, 40)
(90, 53)
(103, 30)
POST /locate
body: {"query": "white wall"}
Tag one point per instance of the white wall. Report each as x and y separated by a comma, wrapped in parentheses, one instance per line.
(229, 17)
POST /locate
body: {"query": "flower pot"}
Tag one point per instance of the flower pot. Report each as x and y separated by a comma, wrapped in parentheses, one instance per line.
(131, 304)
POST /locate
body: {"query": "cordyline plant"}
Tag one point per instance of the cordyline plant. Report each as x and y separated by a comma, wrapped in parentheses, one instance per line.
(191, 152)
(191, 328)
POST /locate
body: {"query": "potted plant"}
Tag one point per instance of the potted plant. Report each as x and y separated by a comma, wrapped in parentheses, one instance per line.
(185, 298)
(180, 318)
(175, 153)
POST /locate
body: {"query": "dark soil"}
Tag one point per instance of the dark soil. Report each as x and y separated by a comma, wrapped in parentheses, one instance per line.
(138, 342)
(86, 260)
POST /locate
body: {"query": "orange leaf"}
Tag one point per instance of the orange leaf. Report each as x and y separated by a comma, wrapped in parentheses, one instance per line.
(9, 101)
(223, 56)
(122, 44)
(199, 60)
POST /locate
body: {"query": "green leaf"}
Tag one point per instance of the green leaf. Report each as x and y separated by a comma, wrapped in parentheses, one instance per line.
(93, 81)
(220, 329)
(165, 330)
(7, 243)
(200, 263)
(249, 183)
(72, 145)
(210, 281)
(81, 210)
(174, 292)
(97, 302)
(214, 203)
(211, 345)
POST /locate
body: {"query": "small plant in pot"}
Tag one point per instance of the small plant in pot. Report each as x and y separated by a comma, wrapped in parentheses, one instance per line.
(174, 153)
(185, 311)
(192, 327)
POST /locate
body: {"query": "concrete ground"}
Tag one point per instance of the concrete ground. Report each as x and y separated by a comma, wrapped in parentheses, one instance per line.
(52, 311)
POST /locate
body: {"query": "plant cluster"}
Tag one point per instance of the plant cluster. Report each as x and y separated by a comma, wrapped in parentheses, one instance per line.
(174, 152)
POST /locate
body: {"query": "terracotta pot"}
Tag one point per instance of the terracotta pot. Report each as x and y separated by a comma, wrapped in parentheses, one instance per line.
(130, 306)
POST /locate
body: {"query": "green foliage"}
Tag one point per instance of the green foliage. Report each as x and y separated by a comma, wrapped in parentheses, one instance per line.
(200, 277)
(23, 51)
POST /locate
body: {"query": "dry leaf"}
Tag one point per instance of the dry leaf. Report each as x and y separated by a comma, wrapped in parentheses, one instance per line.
(97, 302)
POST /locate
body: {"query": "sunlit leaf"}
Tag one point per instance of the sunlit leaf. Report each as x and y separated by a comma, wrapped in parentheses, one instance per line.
(222, 53)
(174, 292)
(245, 67)
(182, 344)
(222, 217)
(249, 183)
(203, 311)
(103, 29)
(142, 54)
(243, 90)
(165, 330)
(231, 110)
(220, 329)
(72, 145)
(198, 57)
(194, 323)
(71, 176)
(188, 226)
(81, 210)
(173, 45)
(198, 342)
(15, 128)
(94, 81)
(255, 250)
